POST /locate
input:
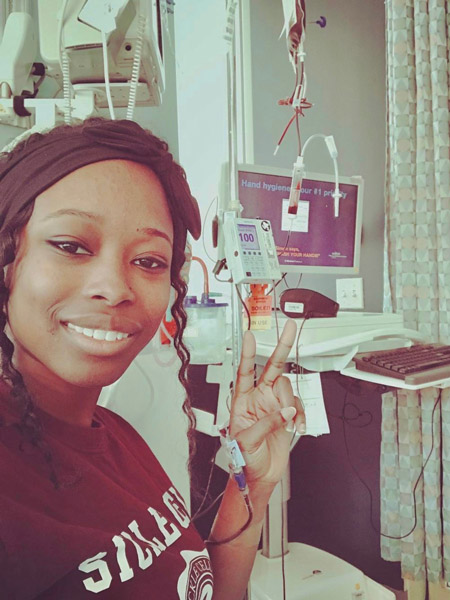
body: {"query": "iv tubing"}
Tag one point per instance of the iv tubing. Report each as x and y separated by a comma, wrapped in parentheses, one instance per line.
(336, 194)
(316, 135)
(205, 275)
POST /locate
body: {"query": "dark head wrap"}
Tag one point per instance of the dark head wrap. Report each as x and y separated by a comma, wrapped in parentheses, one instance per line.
(44, 159)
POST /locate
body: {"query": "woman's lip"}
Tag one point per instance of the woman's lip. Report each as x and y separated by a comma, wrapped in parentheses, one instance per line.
(97, 333)
(104, 323)
(94, 346)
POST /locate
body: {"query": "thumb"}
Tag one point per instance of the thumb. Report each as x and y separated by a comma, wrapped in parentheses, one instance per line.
(250, 439)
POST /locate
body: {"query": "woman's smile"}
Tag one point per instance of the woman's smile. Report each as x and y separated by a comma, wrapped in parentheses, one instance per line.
(99, 342)
(99, 334)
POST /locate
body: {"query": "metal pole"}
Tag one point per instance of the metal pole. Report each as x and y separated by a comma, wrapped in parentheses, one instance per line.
(236, 308)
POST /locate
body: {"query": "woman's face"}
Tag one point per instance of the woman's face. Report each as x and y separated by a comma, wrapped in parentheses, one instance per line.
(91, 280)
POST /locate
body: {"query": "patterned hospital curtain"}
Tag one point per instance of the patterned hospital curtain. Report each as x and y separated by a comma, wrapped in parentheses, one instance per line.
(417, 284)
(415, 483)
(417, 255)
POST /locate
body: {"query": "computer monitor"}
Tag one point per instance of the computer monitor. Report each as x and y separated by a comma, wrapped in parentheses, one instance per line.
(318, 241)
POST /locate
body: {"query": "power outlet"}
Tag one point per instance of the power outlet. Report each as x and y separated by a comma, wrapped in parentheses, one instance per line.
(349, 293)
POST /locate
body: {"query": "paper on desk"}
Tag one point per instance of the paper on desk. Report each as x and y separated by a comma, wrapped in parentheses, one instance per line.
(310, 392)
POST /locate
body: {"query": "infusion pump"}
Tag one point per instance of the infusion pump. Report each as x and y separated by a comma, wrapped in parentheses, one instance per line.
(250, 250)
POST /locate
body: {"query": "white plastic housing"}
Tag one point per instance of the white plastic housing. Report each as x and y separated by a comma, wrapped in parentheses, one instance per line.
(18, 52)
(84, 46)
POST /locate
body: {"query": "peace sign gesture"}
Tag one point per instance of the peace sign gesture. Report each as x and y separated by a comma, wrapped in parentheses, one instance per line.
(261, 413)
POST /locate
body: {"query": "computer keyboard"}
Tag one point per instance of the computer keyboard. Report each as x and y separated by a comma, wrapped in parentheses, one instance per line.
(416, 364)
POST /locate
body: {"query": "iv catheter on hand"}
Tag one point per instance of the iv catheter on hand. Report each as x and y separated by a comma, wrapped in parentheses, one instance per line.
(235, 458)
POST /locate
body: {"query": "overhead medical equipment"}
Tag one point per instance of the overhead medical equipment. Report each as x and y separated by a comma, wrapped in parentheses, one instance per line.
(18, 53)
(97, 53)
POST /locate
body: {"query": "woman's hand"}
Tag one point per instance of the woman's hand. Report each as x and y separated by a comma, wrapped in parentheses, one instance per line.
(261, 413)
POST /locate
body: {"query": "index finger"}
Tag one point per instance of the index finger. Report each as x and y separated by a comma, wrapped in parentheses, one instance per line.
(245, 379)
(275, 365)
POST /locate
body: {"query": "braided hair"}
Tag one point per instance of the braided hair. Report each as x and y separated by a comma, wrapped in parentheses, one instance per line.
(173, 180)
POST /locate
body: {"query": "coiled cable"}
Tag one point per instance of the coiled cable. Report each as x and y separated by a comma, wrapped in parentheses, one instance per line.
(136, 66)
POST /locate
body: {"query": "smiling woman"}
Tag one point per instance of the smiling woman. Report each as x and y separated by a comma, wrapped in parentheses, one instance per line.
(91, 243)
(93, 225)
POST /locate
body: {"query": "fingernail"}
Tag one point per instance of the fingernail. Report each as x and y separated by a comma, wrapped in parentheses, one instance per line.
(302, 428)
(288, 413)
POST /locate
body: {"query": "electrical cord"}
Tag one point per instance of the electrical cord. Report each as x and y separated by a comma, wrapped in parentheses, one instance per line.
(287, 240)
(215, 199)
(65, 67)
(374, 527)
(67, 106)
(199, 513)
(283, 278)
(297, 358)
(209, 507)
(135, 71)
(275, 310)
(283, 566)
(245, 307)
(299, 280)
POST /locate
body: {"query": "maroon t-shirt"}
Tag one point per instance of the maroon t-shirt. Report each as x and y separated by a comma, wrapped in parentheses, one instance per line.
(116, 528)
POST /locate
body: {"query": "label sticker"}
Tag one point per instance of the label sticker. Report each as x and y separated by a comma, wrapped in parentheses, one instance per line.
(297, 307)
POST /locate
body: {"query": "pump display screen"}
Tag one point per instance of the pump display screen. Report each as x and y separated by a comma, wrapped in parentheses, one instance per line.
(248, 237)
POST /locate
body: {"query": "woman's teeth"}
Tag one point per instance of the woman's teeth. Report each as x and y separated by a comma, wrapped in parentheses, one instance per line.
(99, 334)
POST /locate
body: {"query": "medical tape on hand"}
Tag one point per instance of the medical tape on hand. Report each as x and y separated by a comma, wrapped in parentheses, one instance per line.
(234, 454)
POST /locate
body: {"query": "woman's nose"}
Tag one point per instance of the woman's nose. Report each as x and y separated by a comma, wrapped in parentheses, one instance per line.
(109, 280)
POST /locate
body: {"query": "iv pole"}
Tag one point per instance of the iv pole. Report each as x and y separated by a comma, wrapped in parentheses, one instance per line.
(275, 522)
(233, 203)
(273, 544)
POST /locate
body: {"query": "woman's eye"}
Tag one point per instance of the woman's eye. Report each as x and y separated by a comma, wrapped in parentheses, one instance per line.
(150, 264)
(69, 247)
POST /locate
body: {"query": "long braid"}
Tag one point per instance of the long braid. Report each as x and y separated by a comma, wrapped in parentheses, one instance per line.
(180, 318)
(29, 424)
